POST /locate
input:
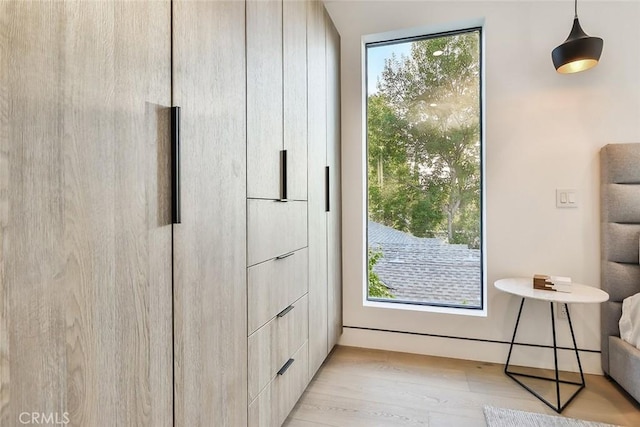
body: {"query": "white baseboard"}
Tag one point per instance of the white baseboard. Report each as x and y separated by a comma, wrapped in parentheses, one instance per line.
(493, 352)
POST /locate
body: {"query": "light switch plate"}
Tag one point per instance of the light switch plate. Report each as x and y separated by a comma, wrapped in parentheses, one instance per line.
(566, 198)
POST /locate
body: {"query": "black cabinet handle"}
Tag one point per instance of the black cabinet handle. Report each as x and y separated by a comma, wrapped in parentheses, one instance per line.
(286, 366)
(175, 165)
(283, 175)
(279, 257)
(327, 206)
(285, 311)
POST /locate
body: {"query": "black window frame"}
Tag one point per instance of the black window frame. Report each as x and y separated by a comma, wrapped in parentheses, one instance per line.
(410, 39)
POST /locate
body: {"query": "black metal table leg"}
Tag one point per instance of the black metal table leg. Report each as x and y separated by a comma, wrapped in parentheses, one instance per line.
(513, 338)
(514, 375)
(575, 348)
(555, 357)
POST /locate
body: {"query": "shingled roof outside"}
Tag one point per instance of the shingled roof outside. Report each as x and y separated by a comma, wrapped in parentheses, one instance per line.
(426, 269)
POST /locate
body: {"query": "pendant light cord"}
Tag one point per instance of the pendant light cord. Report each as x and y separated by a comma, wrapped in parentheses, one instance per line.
(576, 9)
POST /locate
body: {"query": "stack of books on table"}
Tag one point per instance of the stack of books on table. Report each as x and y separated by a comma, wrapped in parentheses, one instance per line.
(561, 284)
(542, 282)
(552, 283)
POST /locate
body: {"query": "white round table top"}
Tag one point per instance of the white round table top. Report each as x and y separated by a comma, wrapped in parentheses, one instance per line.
(579, 293)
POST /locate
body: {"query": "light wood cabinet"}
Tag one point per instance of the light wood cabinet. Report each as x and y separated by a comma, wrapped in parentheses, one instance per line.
(325, 271)
(317, 123)
(264, 98)
(275, 229)
(277, 399)
(86, 249)
(295, 96)
(277, 222)
(334, 229)
(272, 285)
(264, 411)
(271, 346)
(85, 235)
(276, 99)
(210, 318)
(292, 383)
(109, 312)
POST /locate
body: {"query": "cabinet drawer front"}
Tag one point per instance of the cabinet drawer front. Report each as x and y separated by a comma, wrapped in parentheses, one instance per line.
(272, 345)
(274, 228)
(292, 383)
(274, 403)
(273, 285)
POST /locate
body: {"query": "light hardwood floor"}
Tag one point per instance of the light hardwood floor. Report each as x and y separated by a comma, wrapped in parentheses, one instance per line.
(368, 388)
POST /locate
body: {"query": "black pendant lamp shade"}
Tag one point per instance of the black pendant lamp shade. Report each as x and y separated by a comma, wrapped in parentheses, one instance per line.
(579, 52)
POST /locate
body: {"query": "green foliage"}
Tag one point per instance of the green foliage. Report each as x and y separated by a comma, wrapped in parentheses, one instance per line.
(377, 289)
(467, 226)
(424, 141)
(397, 198)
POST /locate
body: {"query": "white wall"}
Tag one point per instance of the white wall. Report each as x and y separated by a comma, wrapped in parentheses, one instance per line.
(543, 131)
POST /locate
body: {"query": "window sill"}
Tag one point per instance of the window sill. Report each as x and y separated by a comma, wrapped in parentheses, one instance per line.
(475, 312)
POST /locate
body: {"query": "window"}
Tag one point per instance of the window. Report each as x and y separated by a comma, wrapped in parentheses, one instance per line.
(424, 170)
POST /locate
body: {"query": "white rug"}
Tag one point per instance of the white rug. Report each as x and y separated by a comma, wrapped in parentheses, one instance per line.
(501, 417)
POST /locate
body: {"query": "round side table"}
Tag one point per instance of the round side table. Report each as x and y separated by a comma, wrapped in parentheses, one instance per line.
(523, 287)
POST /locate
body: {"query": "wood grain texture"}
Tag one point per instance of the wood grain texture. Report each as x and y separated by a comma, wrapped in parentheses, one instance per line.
(263, 411)
(317, 158)
(294, 382)
(294, 43)
(210, 243)
(84, 278)
(264, 98)
(362, 387)
(273, 285)
(5, 373)
(271, 407)
(334, 236)
(265, 357)
(273, 344)
(274, 228)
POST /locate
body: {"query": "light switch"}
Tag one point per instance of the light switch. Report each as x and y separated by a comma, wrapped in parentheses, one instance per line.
(566, 198)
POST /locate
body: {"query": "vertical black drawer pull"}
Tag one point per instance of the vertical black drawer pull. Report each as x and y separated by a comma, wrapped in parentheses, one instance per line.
(285, 311)
(283, 174)
(285, 255)
(327, 207)
(175, 165)
(285, 367)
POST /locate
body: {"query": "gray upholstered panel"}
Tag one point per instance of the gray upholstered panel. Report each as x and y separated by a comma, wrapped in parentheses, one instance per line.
(621, 202)
(620, 233)
(624, 363)
(610, 313)
(620, 280)
(619, 163)
(620, 242)
(611, 324)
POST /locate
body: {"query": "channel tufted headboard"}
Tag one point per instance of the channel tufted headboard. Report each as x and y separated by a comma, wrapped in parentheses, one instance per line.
(620, 241)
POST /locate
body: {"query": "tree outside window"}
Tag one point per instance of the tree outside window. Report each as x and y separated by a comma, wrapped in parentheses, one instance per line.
(424, 169)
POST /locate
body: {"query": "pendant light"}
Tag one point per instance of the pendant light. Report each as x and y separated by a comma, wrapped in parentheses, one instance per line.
(579, 52)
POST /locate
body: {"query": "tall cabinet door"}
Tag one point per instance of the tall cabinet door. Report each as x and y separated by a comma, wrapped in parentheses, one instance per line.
(264, 99)
(317, 124)
(325, 268)
(85, 235)
(276, 99)
(334, 239)
(294, 16)
(210, 243)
